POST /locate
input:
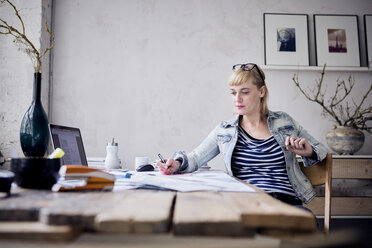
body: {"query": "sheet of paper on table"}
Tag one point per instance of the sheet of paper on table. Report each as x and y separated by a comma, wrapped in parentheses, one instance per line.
(197, 181)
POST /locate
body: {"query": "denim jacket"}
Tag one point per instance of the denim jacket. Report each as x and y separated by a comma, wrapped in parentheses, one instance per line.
(223, 140)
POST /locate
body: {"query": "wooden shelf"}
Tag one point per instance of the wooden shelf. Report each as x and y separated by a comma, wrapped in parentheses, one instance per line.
(352, 156)
(315, 68)
(336, 156)
(351, 194)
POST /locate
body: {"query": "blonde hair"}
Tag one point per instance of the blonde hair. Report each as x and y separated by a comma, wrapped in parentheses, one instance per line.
(241, 76)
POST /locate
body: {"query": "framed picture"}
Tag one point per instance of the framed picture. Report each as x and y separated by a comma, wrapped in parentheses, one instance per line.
(337, 40)
(286, 39)
(368, 31)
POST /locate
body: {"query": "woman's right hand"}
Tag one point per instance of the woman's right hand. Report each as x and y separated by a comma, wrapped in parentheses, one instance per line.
(171, 166)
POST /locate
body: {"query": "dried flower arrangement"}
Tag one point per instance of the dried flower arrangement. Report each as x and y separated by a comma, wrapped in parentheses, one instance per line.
(337, 107)
(21, 39)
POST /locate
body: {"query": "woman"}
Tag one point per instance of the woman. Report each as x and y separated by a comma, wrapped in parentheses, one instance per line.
(258, 146)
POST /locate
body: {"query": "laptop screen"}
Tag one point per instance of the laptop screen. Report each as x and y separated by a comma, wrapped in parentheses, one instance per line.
(70, 141)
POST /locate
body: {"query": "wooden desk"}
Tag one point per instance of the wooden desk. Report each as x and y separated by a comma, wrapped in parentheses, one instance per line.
(37, 214)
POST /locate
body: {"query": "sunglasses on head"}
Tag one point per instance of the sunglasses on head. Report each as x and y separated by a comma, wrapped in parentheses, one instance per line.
(248, 67)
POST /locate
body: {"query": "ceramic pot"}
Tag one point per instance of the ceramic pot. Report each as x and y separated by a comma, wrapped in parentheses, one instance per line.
(345, 140)
(34, 133)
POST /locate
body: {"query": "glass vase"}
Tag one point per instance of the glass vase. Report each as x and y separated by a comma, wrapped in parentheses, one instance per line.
(34, 133)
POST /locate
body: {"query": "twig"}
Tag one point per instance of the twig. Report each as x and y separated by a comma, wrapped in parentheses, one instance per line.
(318, 96)
(21, 38)
(356, 117)
(19, 17)
(52, 38)
(357, 110)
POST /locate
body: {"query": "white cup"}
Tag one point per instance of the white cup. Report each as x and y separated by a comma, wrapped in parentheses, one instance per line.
(141, 161)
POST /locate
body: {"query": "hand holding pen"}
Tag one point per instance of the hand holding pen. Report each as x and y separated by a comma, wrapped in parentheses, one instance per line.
(168, 166)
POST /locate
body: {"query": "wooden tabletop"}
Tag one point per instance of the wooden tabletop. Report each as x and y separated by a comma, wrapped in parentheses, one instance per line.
(63, 214)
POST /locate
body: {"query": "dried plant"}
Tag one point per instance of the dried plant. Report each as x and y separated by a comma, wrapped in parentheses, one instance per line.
(21, 39)
(337, 107)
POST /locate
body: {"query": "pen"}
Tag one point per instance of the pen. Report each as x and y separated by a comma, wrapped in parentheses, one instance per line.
(163, 161)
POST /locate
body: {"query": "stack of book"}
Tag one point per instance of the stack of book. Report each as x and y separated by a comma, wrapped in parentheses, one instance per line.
(77, 177)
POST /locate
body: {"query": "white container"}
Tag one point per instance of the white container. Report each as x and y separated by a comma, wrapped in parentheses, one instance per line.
(112, 160)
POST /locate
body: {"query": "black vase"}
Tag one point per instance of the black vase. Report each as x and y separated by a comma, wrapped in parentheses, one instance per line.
(34, 132)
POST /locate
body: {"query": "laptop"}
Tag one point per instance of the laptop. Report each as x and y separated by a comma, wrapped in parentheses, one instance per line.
(70, 141)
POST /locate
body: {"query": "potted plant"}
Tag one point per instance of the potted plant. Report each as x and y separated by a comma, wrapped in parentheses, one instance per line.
(34, 134)
(351, 117)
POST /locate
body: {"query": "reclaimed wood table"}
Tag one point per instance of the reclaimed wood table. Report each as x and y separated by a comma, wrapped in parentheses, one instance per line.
(46, 215)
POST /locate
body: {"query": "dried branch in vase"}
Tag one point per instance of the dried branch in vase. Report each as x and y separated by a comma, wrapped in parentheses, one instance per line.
(21, 39)
(337, 107)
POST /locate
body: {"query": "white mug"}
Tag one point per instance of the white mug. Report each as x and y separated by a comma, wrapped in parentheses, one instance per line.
(139, 161)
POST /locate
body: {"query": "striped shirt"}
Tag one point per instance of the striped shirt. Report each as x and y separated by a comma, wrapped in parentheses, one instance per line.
(261, 163)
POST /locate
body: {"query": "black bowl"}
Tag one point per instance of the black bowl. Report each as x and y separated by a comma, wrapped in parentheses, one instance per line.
(35, 173)
(6, 179)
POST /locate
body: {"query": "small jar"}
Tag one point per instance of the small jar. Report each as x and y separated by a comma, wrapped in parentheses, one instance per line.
(112, 160)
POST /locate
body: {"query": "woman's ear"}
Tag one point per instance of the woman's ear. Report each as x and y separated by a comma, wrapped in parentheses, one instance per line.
(262, 91)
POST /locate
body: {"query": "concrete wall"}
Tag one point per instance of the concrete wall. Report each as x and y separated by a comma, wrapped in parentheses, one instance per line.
(152, 73)
(16, 70)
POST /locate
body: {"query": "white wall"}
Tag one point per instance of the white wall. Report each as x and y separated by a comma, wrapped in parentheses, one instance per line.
(152, 73)
(16, 71)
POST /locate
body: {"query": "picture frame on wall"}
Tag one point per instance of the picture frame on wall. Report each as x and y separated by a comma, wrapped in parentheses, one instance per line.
(368, 35)
(286, 39)
(337, 40)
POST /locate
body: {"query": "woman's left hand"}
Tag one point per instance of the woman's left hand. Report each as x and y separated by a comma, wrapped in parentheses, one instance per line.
(299, 146)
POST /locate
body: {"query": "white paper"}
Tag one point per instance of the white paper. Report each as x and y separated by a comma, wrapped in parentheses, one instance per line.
(197, 181)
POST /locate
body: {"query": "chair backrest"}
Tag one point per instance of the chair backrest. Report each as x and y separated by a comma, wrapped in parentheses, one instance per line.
(318, 174)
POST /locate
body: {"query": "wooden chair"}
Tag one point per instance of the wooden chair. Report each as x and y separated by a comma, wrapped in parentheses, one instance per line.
(319, 174)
